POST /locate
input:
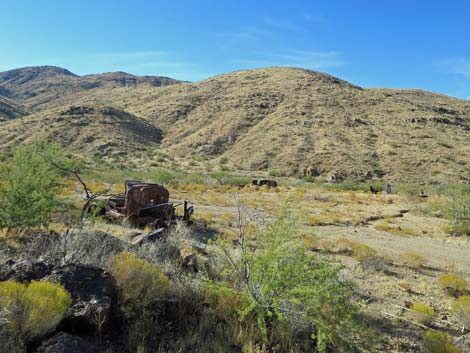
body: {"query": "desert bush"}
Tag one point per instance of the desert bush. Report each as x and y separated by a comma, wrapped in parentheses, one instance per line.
(30, 185)
(374, 264)
(226, 179)
(412, 260)
(139, 282)
(344, 245)
(284, 284)
(423, 313)
(362, 251)
(452, 283)
(460, 215)
(438, 342)
(461, 310)
(33, 309)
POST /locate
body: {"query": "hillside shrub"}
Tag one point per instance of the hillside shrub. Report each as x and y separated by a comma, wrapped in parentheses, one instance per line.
(461, 310)
(33, 309)
(362, 251)
(140, 283)
(459, 212)
(374, 264)
(30, 185)
(423, 313)
(438, 342)
(286, 286)
(452, 283)
(412, 260)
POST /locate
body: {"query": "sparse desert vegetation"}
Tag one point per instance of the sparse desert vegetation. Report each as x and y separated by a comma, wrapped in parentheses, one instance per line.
(357, 241)
(245, 274)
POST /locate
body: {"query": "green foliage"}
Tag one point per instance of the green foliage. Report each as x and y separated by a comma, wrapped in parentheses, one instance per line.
(353, 185)
(30, 185)
(439, 342)
(459, 211)
(452, 283)
(140, 283)
(33, 309)
(227, 179)
(461, 310)
(423, 313)
(281, 283)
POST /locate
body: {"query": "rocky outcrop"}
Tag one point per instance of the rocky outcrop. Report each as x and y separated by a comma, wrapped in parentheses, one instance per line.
(24, 271)
(66, 343)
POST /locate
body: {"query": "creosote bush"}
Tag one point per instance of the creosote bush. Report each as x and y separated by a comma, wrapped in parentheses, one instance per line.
(33, 309)
(439, 342)
(140, 283)
(461, 310)
(452, 283)
(423, 313)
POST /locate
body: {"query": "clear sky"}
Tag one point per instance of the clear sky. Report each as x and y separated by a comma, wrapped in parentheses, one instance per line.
(373, 43)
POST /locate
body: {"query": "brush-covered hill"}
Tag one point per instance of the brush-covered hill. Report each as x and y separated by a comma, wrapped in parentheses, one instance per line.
(10, 110)
(287, 119)
(42, 87)
(88, 130)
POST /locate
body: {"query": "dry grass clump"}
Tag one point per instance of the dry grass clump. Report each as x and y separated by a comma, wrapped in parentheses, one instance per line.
(423, 313)
(412, 260)
(453, 284)
(386, 226)
(362, 251)
(461, 310)
(439, 342)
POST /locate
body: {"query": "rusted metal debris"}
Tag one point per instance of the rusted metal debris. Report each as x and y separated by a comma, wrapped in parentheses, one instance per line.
(261, 182)
(142, 204)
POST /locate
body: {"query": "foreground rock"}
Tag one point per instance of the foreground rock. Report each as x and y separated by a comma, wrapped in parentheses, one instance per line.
(93, 292)
(66, 343)
(24, 271)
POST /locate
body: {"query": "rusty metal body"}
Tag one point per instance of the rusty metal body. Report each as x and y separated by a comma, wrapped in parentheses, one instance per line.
(142, 204)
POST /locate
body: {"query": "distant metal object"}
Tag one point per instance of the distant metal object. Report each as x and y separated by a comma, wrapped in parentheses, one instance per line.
(142, 204)
(261, 182)
(388, 188)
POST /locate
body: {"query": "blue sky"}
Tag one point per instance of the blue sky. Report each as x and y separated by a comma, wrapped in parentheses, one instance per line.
(372, 43)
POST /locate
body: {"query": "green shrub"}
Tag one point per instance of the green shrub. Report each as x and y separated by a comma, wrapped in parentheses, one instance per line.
(439, 342)
(226, 179)
(461, 310)
(140, 283)
(423, 313)
(453, 283)
(30, 185)
(33, 309)
(286, 286)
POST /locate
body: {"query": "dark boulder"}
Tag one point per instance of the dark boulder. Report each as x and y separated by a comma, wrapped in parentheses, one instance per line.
(93, 292)
(24, 271)
(66, 343)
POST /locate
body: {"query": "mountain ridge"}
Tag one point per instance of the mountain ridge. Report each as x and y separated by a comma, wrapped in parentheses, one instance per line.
(285, 120)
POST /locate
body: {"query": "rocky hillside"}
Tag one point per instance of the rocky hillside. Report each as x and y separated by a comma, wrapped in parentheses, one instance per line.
(284, 120)
(87, 129)
(10, 110)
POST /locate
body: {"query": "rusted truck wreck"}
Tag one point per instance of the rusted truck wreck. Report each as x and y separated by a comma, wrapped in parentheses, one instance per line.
(142, 204)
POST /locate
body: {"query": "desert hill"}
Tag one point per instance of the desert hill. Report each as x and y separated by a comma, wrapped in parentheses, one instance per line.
(93, 131)
(10, 110)
(281, 120)
(41, 87)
